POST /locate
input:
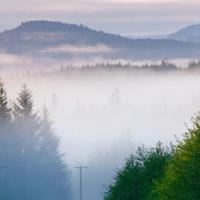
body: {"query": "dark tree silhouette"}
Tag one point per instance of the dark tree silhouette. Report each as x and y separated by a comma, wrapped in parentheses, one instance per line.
(34, 169)
(4, 109)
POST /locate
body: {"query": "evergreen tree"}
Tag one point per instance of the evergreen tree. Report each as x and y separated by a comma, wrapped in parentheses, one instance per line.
(37, 163)
(26, 127)
(23, 108)
(182, 177)
(7, 145)
(136, 179)
(54, 177)
(4, 109)
(26, 121)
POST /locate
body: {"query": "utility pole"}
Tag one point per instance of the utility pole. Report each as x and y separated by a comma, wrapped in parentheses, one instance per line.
(80, 168)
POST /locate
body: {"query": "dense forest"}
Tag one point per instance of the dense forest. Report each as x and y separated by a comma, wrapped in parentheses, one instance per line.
(30, 162)
(164, 66)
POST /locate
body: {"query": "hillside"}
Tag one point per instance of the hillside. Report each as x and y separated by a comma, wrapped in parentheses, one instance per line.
(64, 41)
(188, 34)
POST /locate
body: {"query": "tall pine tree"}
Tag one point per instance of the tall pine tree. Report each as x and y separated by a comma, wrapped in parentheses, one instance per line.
(7, 146)
(54, 176)
(41, 170)
(4, 109)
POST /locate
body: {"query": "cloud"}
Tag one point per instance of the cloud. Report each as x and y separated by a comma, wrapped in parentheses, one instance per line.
(78, 49)
(10, 62)
(16, 62)
(9, 59)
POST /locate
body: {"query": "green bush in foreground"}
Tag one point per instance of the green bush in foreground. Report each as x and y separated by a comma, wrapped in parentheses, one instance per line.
(182, 178)
(136, 179)
(161, 173)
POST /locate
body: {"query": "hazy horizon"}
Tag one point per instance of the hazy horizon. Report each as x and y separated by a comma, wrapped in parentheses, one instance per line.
(72, 97)
(128, 18)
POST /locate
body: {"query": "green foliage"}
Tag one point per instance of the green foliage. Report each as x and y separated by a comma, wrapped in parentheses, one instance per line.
(136, 179)
(160, 173)
(182, 179)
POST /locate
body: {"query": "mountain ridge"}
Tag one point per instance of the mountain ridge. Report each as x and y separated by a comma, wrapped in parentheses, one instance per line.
(187, 34)
(37, 38)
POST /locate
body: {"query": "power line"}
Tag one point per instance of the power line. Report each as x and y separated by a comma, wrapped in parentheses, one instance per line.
(80, 168)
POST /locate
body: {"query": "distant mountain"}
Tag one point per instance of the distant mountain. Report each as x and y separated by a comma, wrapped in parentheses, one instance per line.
(154, 37)
(65, 41)
(188, 34)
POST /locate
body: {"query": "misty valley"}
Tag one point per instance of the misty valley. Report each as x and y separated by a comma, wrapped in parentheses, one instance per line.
(102, 113)
(88, 114)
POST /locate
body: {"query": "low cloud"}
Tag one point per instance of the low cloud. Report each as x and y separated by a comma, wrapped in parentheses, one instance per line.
(79, 49)
(10, 59)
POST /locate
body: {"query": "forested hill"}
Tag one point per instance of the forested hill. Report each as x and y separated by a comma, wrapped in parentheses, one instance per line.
(188, 34)
(60, 40)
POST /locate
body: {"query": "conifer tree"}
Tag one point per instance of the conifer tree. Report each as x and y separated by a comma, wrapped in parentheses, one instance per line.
(182, 177)
(45, 176)
(4, 109)
(29, 150)
(136, 179)
(26, 126)
(51, 164)
(7, 144)
(23, 108)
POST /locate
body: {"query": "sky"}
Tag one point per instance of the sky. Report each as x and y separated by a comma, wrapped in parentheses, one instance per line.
(125, 17)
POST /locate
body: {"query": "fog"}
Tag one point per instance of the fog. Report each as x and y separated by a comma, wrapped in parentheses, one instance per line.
(101, 117)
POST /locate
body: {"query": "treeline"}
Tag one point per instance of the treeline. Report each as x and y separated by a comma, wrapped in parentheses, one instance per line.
(161, 173)
(194, 64)
(164, 66)
(31, 167)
